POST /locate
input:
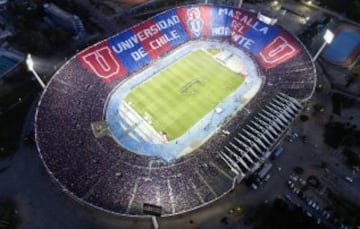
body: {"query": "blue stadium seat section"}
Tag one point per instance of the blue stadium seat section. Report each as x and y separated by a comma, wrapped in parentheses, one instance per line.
(128, 48)
(172, 28)
(221, 18)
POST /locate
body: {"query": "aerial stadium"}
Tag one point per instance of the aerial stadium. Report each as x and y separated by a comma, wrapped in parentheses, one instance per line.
(169, 115)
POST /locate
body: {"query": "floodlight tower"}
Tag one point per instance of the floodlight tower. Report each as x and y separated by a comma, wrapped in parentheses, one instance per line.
(328, 38)
(30, 65)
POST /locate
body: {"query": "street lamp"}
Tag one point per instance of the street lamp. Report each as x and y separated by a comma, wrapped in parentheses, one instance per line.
(30, 65)
(328, 38)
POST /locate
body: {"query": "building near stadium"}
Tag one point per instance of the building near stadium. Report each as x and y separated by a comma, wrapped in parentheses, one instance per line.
(169, 115)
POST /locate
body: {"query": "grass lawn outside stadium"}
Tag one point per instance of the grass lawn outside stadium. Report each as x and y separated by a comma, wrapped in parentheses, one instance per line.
(176, 98)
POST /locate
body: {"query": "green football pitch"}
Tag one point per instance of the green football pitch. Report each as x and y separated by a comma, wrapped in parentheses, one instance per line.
(176, 98)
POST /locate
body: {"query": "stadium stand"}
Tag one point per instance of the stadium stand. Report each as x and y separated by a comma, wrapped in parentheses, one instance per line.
(98, 172)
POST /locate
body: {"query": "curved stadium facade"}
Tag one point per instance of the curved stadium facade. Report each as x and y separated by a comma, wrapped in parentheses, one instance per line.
(109, 152)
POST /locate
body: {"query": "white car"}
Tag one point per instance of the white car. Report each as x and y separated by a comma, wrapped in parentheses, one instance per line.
(295, 178)
(318, 221)
(254, 186)
(267, 177)
(349, 179)
(313, 204)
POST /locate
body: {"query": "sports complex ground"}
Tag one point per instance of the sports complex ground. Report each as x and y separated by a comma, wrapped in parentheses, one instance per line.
(104, 155)
(176, 98)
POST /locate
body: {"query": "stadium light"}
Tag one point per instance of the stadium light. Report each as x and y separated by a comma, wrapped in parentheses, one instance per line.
(328, 38)
(30, 65)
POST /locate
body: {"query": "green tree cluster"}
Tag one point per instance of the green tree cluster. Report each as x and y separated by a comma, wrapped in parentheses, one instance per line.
(352, 159)
(278, 214)
(341, 134)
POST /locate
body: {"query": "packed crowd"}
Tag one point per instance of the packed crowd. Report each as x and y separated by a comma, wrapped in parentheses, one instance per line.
(100, 172)
(294, 78)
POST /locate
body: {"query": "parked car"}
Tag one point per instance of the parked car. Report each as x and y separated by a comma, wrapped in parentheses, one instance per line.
(349, 179)
(254, 186)
(267, 177)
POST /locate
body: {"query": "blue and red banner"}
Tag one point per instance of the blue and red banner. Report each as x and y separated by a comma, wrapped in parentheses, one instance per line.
(279, 50)
(131, 50)
(101, 60)
(196, 20)
(170, 25)
(152, 38)
(221, 18)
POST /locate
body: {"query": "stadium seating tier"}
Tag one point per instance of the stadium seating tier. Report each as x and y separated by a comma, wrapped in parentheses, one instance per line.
(98, 171)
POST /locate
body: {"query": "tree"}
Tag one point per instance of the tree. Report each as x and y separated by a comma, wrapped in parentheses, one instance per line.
(352, 159)
(337, 134)
(351, 79)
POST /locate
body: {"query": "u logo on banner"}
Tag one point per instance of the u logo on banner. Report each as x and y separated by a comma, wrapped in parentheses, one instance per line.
(195, 22)
(102, 62)
(278, 50)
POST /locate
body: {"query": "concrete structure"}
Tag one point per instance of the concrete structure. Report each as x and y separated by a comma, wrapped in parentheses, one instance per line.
(256, 140)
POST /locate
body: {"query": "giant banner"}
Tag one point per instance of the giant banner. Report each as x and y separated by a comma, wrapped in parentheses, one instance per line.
(279, 50)
(101, 60)
(131, 50)
(241, 22)
(221, 18)
(251, 34)
(171, 27)
(196, 20)
(268, 43)
(152, 38)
